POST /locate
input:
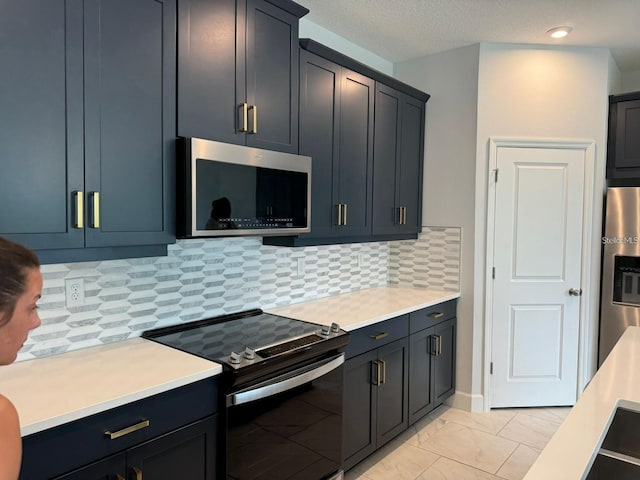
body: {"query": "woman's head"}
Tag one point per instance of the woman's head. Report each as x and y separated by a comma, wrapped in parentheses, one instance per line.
(20, 289)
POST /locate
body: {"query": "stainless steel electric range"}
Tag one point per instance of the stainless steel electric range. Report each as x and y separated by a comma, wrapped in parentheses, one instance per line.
(282, 388)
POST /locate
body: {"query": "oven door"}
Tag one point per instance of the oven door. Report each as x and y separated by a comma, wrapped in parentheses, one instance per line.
(289, 427)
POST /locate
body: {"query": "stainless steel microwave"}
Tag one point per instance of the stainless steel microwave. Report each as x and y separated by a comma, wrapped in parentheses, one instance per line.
(225, 190)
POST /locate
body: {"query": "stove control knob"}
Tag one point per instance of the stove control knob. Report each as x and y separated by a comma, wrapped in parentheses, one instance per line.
(234, 358)
(325, 331)
(335, 328)
(249, 353)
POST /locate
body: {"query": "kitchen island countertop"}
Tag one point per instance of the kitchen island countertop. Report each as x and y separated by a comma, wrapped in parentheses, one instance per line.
(51, 391)
(365, 307)
(573, 447)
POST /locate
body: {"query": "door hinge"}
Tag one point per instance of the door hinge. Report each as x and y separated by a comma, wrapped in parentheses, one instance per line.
(493, 273)
(491, 368)
(495, 172)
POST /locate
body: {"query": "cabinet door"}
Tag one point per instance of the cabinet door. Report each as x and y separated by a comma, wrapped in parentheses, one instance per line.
(386, 152)
(356, 152)
(360, 407)
(624, 140)
(41, 139)
(110, 468)
(272, 75)
(207, 73)
(185, 453)
(319, 121)
(129, 59)
(421, 356)
(398, 158)
(393, 391)
(410, 164)
(444, 373)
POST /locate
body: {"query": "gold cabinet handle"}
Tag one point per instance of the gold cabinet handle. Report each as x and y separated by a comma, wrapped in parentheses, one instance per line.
(404, 215)
(435, 314)
(119, 477)
(254, 109)
(79, 207)
(95, 218)
(378, 336)
(384, 372)
(244, 127)
(128, 430)
(438, 340)
(345, 213)
(376, 380)
(137, 472)
(433, 345)
(339, 206)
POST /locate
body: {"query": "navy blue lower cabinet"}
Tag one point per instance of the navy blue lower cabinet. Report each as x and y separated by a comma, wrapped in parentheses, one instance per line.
(188, 452)
(375, 388)
(432, 358)
(170, 435)
(396, 372)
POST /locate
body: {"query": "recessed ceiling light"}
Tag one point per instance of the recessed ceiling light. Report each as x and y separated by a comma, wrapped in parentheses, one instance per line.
(559, 32)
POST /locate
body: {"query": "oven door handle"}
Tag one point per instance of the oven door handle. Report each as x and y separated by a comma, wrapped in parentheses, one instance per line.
(291, 381)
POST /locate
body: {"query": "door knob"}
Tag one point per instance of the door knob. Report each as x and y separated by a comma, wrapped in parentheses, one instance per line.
(575, 292)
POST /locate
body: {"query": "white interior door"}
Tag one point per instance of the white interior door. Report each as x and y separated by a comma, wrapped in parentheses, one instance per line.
(538, 221)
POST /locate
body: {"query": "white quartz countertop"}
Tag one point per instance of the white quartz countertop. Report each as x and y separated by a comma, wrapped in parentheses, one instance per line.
(359, 309)
(51, 391)
(571, 450)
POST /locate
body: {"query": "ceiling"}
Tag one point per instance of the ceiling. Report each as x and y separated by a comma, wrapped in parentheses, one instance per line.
(399, 30)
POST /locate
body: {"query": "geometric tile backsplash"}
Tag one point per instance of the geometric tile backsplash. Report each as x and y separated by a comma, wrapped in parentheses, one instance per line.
(432, 261)
(202, 278)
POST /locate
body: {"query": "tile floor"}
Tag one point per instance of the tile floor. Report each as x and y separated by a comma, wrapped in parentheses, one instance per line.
(453, 444)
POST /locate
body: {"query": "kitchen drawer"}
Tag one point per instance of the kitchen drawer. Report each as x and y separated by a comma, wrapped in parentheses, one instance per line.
(83, 441)
(430, 316)
(378, 334)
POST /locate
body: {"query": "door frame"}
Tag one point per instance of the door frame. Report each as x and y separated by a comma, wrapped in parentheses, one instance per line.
(586, 331)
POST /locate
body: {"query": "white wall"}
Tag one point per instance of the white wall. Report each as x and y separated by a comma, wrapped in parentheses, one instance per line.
(336, 42)
(527, 91)
(508, 91)
(451, 78)
(629, 82)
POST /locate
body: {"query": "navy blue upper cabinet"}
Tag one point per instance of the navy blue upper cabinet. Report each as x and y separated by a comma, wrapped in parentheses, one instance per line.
(365, 133)
(397, 162)
(41, 144)
(238, 72)
(88, 113)
(623, 151)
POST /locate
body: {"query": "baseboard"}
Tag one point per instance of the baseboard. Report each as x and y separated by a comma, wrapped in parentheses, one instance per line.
(466, 401)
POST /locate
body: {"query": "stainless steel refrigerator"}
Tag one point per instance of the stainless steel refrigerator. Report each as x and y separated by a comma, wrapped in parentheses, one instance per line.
(620, 295)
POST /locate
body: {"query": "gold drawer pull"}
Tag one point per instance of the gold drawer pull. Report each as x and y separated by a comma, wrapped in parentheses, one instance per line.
(435, 314)
(119, 477)
(137, 472)
(128, 430)
(379, 336)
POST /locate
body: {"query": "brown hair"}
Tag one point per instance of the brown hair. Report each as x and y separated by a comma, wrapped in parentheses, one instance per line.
(15, 262)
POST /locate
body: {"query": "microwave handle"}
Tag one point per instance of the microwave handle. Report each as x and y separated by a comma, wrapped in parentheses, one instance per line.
(289, 382)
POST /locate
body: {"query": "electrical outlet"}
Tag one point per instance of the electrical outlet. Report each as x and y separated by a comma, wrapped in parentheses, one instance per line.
(74, 292)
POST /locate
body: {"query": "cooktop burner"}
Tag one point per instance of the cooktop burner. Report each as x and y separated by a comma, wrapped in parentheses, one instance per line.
(246, 338)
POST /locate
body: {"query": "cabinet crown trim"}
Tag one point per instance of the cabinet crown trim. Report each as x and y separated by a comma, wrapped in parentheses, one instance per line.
(341, 59)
